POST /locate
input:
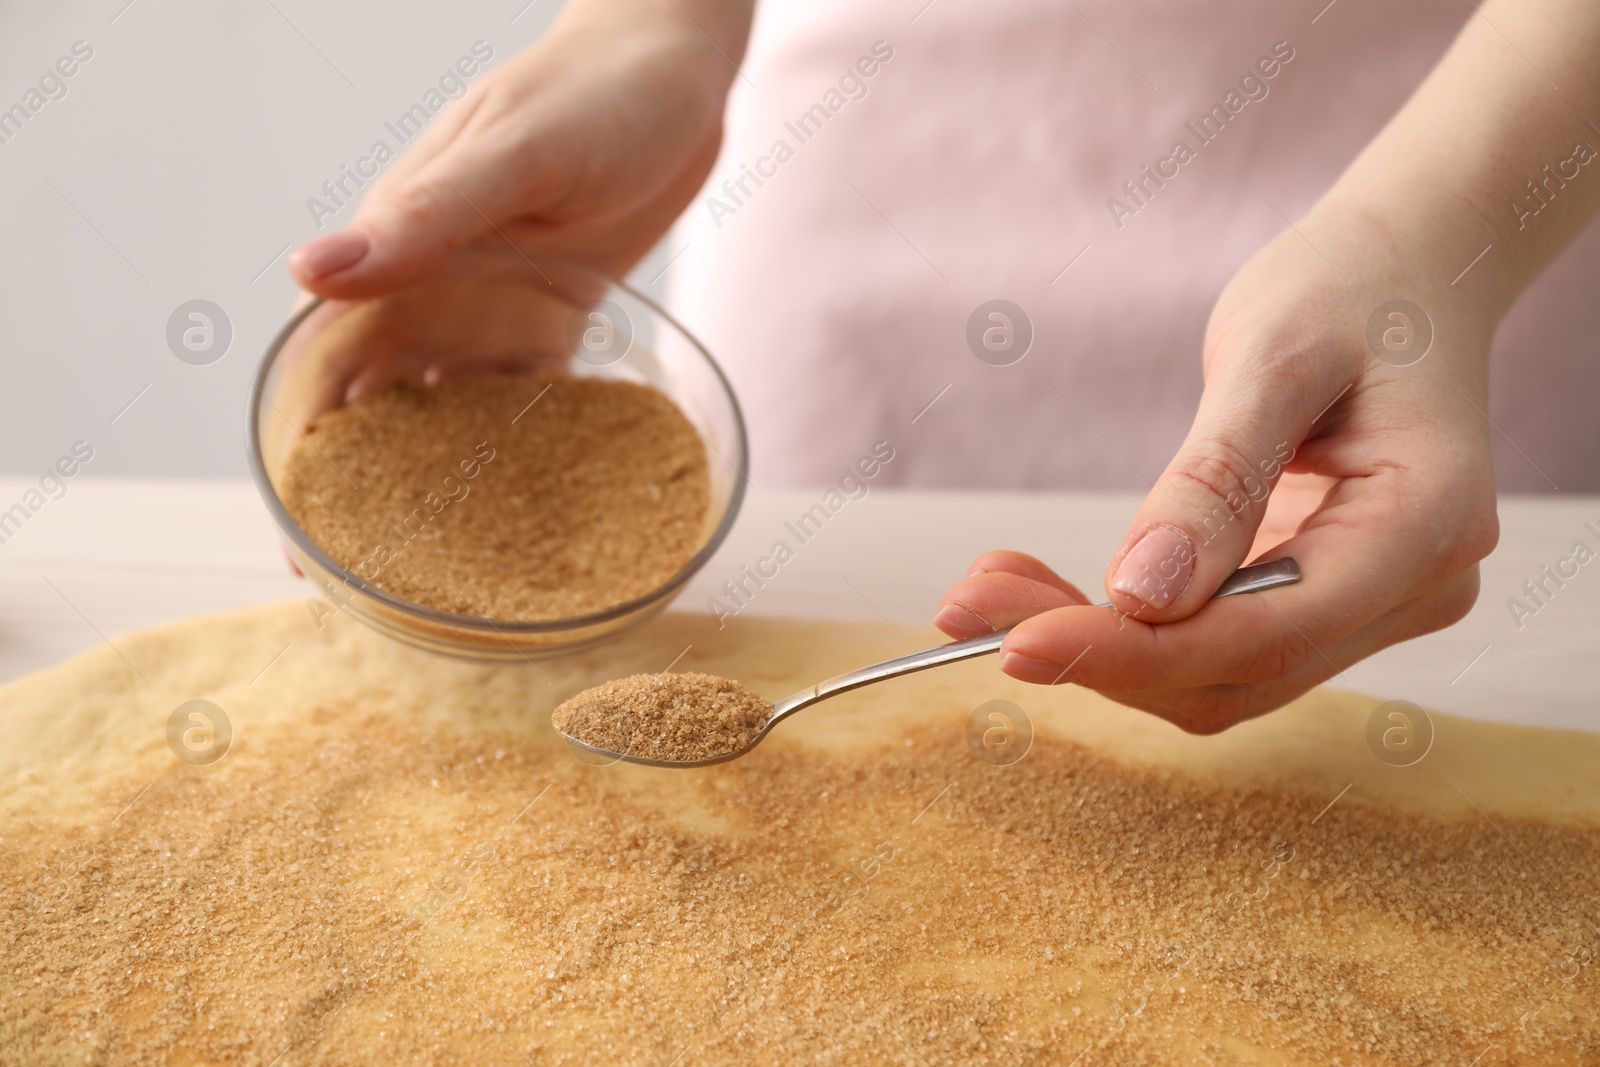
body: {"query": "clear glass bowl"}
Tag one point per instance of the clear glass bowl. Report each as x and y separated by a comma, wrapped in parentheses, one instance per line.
(504, 312)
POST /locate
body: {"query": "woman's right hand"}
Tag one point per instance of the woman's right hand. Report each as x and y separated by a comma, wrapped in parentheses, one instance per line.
(585, 146)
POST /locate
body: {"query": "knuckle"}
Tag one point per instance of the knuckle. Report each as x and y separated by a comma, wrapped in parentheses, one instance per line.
(411, 206)
(1221, 707)
(1476, 531)
(1459, 599)
(1203, 728)
(1276, 657)
(1217, 708)
(1482, 533)
(1226, 480)
(417, 201)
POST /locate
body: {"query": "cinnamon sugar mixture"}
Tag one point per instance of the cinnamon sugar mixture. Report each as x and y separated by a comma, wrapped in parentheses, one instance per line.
(675, 717)
(521, 499)
(400, 897)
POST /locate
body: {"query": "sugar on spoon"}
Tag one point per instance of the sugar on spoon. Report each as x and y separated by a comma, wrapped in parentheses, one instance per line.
(575, 714)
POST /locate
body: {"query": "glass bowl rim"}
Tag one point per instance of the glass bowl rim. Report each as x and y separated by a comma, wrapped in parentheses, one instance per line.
(292, 529)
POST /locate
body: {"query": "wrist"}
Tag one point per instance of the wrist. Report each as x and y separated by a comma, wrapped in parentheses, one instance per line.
(696, 46)
(721, 27)
(1389, 250)
(1485, 175)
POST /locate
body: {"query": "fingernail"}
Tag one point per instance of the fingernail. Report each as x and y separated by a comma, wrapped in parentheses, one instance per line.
(954, 619)
(433, 375)
(1028, 669)
(1157, 568)
(331, 254)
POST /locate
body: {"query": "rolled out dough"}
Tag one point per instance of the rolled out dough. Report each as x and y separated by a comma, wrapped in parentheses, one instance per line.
(398, 860)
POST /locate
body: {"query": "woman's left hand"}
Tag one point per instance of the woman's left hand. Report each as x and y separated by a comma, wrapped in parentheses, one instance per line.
(1376, 477)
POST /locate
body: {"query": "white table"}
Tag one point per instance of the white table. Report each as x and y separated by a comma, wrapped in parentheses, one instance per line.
(115, 556)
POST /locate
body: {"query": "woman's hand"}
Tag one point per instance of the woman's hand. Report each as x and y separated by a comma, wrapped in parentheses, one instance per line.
(585, 147)
(1380, 483)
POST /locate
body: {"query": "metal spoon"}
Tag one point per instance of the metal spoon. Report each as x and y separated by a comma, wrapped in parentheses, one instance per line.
(1250, 579)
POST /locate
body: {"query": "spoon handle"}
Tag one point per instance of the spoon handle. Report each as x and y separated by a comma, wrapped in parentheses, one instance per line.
(1250, 579)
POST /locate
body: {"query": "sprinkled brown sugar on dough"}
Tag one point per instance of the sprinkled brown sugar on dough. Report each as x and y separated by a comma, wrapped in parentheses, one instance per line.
(678, 717)
(369, 897)
(597, 494)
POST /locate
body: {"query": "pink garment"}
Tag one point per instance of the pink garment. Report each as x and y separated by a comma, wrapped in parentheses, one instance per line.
(976, 164)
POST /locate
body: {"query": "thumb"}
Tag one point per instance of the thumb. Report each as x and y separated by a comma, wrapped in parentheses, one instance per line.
(403, 230)
(1198, 522)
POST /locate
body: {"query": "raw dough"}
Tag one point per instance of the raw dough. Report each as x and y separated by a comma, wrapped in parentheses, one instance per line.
(398, 861)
